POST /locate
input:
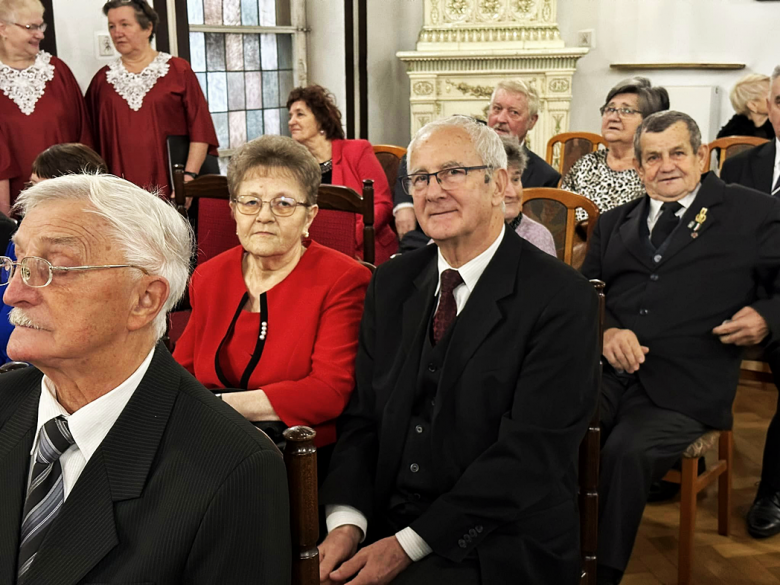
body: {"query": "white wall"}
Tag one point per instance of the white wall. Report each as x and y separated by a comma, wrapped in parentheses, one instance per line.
(733, 31)
(325, 18)
(77, 22)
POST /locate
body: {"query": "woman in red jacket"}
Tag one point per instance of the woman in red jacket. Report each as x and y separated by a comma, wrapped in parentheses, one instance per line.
(274, 324)
(315, 122)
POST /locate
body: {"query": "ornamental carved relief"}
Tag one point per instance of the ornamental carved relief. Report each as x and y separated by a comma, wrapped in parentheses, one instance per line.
(559, 85)
(523, 6)
(457, 9)
(547, 11)
(435, 12)
(423, 88)
(477, 91)
(490, 9)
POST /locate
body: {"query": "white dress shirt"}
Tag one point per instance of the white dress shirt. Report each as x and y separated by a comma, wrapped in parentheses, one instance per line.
(89, 425)
(776, 170)
(655, 207)
(410, 541)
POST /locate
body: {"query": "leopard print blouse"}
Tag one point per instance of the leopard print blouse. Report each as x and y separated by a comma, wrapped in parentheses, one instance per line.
(591, 177)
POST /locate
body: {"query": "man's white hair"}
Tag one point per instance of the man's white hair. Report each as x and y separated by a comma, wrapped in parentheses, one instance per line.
(486, 142)
(521, 87)
(775, 75)
(149, 231)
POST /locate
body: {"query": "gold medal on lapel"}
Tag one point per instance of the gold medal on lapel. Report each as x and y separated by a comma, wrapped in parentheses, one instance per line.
(700, 218)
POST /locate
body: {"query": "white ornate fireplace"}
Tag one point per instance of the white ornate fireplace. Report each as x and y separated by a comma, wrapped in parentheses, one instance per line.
(466, 46)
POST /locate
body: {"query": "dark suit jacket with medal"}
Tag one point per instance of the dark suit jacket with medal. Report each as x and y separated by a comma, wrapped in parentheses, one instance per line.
(752, 168)
(182, 490)
(674, 297)
(516, 391)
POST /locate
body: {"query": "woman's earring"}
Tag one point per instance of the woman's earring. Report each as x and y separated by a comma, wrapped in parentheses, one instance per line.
(322, 131)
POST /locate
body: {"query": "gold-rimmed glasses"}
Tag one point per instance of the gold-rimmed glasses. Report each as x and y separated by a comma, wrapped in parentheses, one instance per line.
(280, 206)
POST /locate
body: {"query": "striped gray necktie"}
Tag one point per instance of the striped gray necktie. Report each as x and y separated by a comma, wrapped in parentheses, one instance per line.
(776, 188)
(45, 494)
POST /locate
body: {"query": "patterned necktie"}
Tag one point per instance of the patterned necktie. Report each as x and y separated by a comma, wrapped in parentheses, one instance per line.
(447, 310)
(45, 494)
(776, 188)
(666, 223)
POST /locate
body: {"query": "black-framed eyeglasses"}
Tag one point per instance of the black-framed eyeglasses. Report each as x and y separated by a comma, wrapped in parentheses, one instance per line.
(448, 179)
(38, 272)
(622, 112)
(32, 28)
(280, 206)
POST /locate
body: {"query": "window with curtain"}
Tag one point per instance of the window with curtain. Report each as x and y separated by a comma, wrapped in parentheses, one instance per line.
(247, 55)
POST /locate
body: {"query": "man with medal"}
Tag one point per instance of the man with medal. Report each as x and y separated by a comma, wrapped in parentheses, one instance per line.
(691, 272)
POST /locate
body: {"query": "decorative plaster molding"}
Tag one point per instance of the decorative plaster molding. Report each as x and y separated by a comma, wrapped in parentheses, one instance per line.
(423, 88)
(478, 91)
(559, 85)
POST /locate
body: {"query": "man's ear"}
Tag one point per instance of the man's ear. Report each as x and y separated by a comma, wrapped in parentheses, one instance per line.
(500, 182)
(703, 154)
(532, 122)
(638, 166)
(151, 294)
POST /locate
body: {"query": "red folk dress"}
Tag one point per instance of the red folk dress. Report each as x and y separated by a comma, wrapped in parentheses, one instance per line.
(133, 114)
(307, 367)
(39, 106)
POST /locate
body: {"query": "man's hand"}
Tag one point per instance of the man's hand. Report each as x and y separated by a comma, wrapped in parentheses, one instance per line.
(377, 564)
(622, 350)
(405, 221)
(340, 545)
(746, 327)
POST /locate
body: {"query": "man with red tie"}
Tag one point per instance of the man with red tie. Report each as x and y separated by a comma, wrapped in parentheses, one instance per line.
(476, 377)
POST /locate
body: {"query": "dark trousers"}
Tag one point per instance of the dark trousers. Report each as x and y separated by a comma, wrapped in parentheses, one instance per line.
(770, 470)
(640, 442)
(435, 569)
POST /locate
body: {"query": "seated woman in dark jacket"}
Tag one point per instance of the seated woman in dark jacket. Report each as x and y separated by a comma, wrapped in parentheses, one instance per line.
(274, 324)
(748, 98)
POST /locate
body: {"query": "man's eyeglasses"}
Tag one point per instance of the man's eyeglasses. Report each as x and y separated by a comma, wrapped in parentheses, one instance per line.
(32, 28)
(39, 272)
(622, 112)
(448, 179)
(280, 206)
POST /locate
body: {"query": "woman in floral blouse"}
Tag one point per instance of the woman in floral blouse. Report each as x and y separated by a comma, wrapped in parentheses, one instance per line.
(143, 97)
(40, 101)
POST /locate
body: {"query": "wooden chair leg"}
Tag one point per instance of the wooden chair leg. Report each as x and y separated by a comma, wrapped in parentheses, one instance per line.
(725, 452)
(689, 474)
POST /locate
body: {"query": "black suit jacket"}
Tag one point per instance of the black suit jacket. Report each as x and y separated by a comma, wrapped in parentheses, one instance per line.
(673, 305)
(181, 490)
(752, 168)
(538, 173)
(517, 388)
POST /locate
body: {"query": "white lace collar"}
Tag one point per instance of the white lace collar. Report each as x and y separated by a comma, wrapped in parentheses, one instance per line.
(133, 87)
(27, 86)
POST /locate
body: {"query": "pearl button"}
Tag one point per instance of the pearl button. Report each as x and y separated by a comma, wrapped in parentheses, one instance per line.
(657, 258)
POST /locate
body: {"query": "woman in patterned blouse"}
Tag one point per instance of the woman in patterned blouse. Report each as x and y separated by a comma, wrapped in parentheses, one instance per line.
(143, 97)
(607, 177)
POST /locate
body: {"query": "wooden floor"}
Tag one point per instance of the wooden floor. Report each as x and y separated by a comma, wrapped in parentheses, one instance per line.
(718, 560)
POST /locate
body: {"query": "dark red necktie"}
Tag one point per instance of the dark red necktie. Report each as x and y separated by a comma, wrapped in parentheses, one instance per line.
(447, 310)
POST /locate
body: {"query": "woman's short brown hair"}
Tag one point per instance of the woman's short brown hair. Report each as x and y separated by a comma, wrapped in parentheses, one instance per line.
(68, 159)
(273, 156)
(145, 15)
(322, 104)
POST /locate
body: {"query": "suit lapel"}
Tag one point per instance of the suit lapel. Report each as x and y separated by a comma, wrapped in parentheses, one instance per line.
(85, 530)
(631, 233)
(710, 195)
(481, 313)
(16, 438)
(337, 174)
(762, 167)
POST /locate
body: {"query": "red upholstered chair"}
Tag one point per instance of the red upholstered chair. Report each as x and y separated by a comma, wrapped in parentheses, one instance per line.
(335, 223)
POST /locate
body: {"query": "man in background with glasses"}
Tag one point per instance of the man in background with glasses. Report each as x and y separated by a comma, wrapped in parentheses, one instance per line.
(115, 464)
(476, 378)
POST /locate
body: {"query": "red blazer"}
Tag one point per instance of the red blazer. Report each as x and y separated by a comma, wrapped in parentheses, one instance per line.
(353, 161)
(307, 368)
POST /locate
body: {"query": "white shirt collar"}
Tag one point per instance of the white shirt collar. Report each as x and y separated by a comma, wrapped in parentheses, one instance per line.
(777, 153)
(471, 270)
(90, 424)
(686, 202)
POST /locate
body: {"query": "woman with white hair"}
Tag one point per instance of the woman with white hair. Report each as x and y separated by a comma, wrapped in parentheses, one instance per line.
(40, 102)
(748, 98)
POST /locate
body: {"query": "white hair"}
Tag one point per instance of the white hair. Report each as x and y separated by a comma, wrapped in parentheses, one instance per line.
(486, 142)
(521, 87)
(150, 232)
(751, 87)
(773, 77)
(10, 9)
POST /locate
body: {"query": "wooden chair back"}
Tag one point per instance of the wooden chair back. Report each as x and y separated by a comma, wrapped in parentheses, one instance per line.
(731, 145)
(556, 209)
(300, 458)
(216, 227)
(590, 453)
(335, 223)
(566, 148)
(389, 157)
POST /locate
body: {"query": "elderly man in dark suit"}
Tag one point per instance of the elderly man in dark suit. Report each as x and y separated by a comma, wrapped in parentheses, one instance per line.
(116, 466)
(759, 168)
(476, 377)
(682, 268)
(513, 111)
